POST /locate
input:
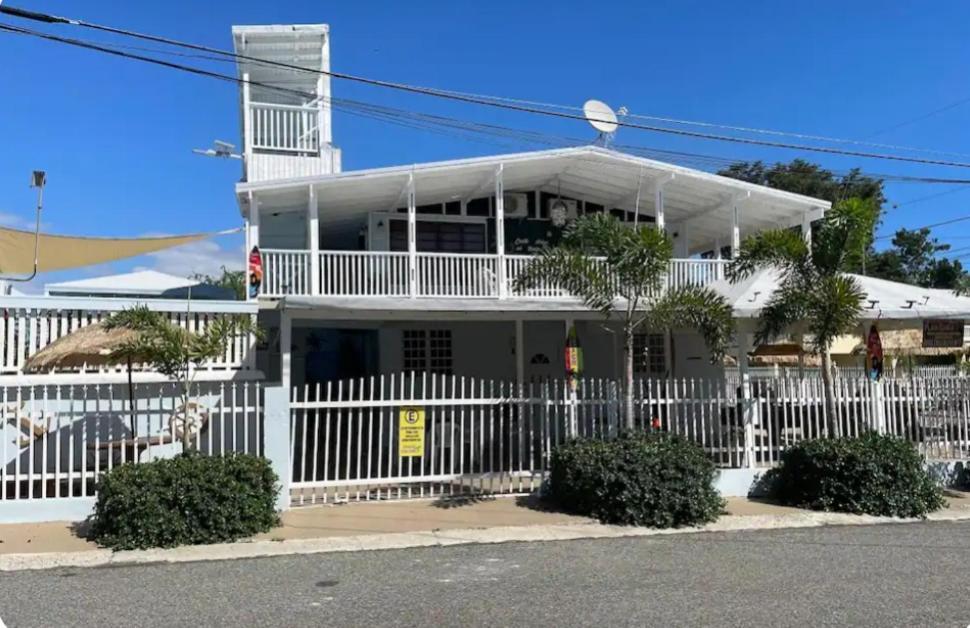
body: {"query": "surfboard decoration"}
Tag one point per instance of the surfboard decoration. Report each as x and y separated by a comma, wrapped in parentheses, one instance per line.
(574, 358)
(874, 355)
(255, 272)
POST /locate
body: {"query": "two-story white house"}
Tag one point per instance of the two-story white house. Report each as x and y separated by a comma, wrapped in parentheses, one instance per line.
(412, 268)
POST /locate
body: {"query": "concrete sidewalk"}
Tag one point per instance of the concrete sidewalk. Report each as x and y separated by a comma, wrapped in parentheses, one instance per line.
(384, 525)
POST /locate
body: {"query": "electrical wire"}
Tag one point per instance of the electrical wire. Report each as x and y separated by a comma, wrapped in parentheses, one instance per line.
(462, 98)
(931, 226)
(422, 121)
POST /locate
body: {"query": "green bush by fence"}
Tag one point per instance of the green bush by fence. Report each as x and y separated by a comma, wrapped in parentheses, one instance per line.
(186, 500)
(871, 474)
(653, 480)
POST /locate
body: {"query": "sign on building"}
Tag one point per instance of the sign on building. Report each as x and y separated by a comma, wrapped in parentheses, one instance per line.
(942, 333)
(410, 434)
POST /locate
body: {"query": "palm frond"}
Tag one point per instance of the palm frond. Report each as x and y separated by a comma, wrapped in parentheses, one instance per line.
(777, 248)
(692, 307)
(786, 307)
(845, 234)
(573, 271)
(834, 306)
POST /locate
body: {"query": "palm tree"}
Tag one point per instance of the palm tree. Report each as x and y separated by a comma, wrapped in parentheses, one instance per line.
(814, 293)
(177, 352)
(621, 272)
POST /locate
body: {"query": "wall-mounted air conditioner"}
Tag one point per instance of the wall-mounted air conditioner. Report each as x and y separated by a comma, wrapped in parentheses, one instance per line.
(516, 205)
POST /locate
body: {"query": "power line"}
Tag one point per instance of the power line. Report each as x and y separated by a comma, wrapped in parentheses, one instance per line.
(920, 199)
(920, 118)
(463, 98)
(424, 121)
(931, 226)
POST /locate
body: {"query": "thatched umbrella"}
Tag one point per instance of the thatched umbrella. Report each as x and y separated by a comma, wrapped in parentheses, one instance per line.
(93, 345)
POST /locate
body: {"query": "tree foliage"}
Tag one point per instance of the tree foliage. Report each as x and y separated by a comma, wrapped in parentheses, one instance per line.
(913, 256)
(621, 271)
(233, 280)
(913, 259)
(175, 351)
(814, 294)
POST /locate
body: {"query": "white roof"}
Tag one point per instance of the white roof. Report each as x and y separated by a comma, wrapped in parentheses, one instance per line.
(590, 173)
(302, 45)
(886, 300)
(142, 282)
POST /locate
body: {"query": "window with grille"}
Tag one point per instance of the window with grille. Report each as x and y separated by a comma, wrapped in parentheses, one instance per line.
(649, 354)
(428, 350)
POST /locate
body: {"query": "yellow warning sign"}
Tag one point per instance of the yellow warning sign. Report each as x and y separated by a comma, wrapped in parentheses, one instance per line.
(410, 435)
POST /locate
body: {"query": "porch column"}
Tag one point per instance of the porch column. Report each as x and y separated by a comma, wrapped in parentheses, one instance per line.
(412, 239)
(719, 269)
(286, 343)
(519, 353)
(807, 227)
(748, 403)
(735, 227)
(658, 205)
(247, 129)
(500, 230)
(313, 239)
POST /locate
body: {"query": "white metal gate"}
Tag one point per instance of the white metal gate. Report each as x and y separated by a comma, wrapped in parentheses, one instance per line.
(486, 436)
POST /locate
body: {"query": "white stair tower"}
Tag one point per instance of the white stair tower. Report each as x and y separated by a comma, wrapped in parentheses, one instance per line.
(286, 111)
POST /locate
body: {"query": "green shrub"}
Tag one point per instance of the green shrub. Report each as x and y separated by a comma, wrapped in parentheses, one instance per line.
(653, 480)
(186, 500)
(871, 474)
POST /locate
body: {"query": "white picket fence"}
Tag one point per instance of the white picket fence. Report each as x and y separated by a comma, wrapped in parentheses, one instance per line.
(484, 436)
(57, 440)
(30, 323)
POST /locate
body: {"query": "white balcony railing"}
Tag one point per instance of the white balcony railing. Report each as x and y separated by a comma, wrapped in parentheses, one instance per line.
(285, 129)
(286, 272)
(30, 323)
(386, 274)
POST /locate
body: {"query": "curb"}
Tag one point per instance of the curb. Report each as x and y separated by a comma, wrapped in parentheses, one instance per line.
(439, 538)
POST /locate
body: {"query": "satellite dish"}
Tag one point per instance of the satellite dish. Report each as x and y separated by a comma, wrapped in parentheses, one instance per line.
(600, 116)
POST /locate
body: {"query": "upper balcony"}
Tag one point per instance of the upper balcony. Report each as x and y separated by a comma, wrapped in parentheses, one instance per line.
(287, 141)
(467, 228)
(437, 275)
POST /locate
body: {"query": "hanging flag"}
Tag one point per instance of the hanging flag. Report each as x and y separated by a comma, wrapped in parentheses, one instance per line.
(255, 272)
(874, 355)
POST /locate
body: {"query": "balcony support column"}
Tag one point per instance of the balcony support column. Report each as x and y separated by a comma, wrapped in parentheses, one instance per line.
(658, 200)
(247, 129)
(412, 239)
(313, 239)
(735, 228)
(519, 354)
(500, 230)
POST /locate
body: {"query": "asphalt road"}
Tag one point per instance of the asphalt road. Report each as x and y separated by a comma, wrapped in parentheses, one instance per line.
(896, 575)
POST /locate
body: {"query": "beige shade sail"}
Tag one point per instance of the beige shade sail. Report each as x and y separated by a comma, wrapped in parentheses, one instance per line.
(58, 252)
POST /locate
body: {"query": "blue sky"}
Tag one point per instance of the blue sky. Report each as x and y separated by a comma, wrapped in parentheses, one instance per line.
(116, 136)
